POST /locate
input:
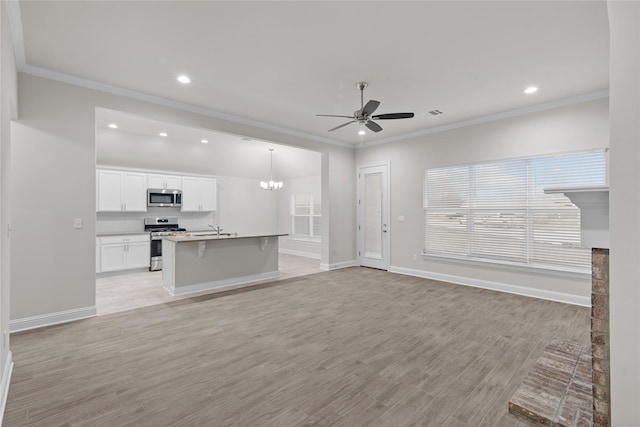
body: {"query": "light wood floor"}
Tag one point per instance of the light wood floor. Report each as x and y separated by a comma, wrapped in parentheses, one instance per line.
(350, 347)
(128, 291)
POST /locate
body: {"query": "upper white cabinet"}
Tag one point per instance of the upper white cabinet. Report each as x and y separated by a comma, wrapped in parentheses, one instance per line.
(199, 194)
(120, 191)
(173, 182)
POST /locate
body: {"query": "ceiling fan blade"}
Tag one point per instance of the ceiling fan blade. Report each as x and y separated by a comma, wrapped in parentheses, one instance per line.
(342, 125)
(393, 116)
(373, 126)
(370, 107)
(331, 115)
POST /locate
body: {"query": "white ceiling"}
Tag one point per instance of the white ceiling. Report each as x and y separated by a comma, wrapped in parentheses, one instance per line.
(280, 63)
(137, 143)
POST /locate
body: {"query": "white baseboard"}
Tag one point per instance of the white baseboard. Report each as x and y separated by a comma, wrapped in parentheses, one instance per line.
(122, 272)
(495, 286)
(4, 385)
(218, 284)
(299, 253)
(337, 265)
(51, 319)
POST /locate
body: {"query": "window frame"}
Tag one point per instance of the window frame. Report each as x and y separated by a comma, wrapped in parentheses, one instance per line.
(528, 209)
(312, 219)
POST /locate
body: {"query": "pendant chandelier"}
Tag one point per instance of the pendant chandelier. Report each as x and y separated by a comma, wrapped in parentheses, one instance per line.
(271, 184)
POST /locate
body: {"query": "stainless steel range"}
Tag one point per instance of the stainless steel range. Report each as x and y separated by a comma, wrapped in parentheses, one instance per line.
(159, 227)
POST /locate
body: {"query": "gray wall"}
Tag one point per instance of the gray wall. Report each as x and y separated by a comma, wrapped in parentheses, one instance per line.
(624, 20)
(54, 145)
(571, 128)
(225, 155)
(8, 111)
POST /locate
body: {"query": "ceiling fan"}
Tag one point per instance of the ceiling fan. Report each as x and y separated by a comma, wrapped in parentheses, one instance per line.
(364, 114)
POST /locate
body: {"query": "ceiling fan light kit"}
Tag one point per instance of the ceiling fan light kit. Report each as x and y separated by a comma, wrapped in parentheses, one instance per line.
(364, 114)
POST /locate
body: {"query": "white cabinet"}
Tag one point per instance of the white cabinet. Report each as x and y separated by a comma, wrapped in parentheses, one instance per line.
(124, 252)
(121, 191)
(173, 182)
(199, 194)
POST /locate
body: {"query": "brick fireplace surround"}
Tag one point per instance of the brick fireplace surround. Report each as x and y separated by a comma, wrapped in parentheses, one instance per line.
(600, 337)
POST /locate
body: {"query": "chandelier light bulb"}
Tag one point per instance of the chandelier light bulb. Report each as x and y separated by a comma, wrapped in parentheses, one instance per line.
(271, 184)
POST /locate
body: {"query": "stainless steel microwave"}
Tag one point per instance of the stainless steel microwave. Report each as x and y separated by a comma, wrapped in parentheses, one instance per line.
(164, 197)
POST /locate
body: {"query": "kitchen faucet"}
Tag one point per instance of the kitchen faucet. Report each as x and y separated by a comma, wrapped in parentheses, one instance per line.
(216, 228)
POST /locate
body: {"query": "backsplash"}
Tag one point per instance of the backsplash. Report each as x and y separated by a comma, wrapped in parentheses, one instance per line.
(114, 222)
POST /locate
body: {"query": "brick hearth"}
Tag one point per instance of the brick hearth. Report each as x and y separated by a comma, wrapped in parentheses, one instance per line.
(557, 391)
(569, 384)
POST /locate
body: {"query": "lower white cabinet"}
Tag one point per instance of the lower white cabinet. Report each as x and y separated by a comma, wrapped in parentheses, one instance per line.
(124, 252)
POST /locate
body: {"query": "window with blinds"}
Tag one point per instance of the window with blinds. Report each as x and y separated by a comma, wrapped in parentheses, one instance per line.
(499, 212)
(306, 219)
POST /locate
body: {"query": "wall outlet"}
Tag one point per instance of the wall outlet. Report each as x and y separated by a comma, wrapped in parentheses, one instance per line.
(415, 257)
(77, 223)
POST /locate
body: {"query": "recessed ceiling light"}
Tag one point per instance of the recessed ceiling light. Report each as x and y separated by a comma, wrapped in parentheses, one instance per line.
(204, 141)
(163, 134)
(184, 79)
(530, 90)
(361, 132)
(113, 126)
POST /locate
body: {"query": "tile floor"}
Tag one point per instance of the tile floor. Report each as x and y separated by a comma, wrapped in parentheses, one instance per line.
(124, 292)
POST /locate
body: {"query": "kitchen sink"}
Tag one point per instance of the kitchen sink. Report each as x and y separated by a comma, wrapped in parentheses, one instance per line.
(211, 233)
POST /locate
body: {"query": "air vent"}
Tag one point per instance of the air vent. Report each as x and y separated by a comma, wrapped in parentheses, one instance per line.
(436, 112)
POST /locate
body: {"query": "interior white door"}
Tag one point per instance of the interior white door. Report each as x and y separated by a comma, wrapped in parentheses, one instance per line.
(373, 216)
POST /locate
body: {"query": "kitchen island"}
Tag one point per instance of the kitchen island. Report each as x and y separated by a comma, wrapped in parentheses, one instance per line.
(199, 262)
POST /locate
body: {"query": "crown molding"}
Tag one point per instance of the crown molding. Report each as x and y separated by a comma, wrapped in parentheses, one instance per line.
(140, 96)
(494, 117)
(15, 24)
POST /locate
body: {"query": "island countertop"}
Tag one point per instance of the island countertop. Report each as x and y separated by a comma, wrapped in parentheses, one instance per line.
(194, 237)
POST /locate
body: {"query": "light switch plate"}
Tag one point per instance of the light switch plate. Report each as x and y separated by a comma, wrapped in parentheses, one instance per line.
(400, 218)
(77, 223)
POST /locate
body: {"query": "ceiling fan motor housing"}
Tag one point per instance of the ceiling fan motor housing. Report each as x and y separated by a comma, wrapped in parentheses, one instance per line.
(364, 114)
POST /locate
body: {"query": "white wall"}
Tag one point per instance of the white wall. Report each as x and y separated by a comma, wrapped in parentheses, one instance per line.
(303, 185)
(624, 22)
(8, 111)
(54, 145)
(245, 208)
(571, 128)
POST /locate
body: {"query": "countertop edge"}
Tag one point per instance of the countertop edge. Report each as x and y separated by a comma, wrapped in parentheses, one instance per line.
(179, 239)
(120, 233)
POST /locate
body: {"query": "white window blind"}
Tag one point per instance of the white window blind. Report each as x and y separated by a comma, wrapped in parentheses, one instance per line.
(306, 219)
(498, 211)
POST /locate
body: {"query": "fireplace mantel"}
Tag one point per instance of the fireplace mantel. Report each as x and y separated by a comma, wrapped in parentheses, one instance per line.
(593, 202)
